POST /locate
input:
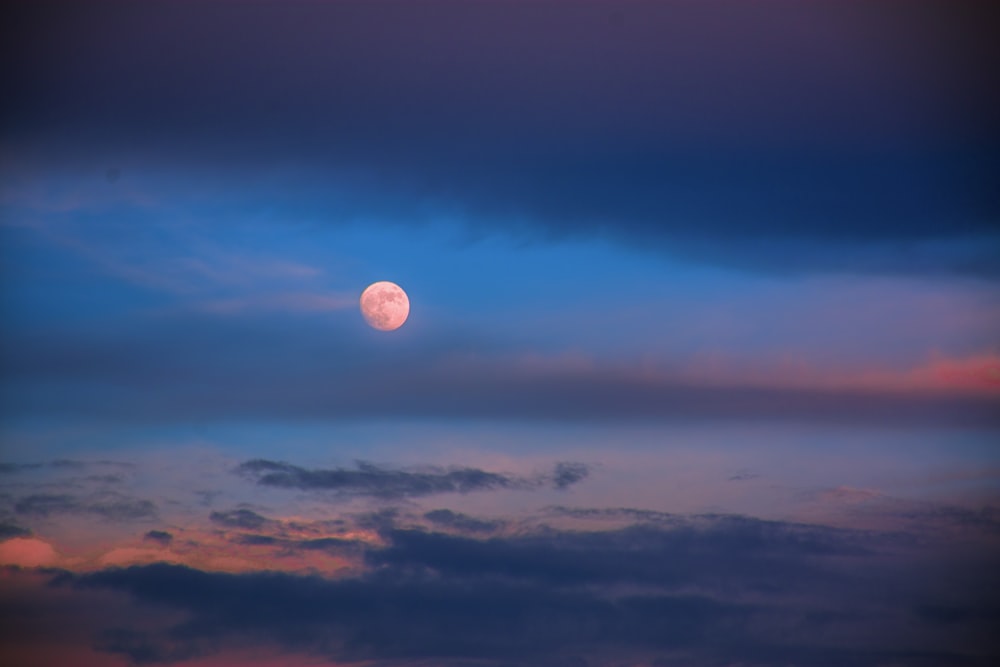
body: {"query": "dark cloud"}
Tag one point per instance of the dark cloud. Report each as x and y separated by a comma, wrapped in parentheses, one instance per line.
(463, 522)
(108, 505)
(43, 504)
(9, 530)
(239, 518)
(258, 540)
(381, 520)
(709, 590)
(567, 473)
(796, 137)
(693, 553)
(630, 514)
(367, 479)
(335, 545)
(161, 537)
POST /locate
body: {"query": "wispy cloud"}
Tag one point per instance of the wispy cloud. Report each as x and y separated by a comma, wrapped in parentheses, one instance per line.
(367, 479)
(239, 518)
(108, 505)
(293, 302)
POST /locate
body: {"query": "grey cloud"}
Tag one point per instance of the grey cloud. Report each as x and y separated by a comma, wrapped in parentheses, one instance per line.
(367, 479)
(629, 514)
(239, 518)
(9, 530)
(381, 520)
(161, 537)
(566, 474)
(108, 505)
(257, 540)
(330, 544)
(45, 504)
(463, 522)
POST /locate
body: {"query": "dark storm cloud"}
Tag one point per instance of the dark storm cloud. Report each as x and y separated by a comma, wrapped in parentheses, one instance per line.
(108, 505)
(795, 137)
(367, 479)
(710, 590)
(202, 368)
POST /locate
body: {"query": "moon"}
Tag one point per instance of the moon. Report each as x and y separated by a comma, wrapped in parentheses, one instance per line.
(385, 305)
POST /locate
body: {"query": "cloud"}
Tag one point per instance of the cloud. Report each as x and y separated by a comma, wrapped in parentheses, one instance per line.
(239, 518)
(367, 479)
(27, 552)
(629, 514)
(566, 474)
(9, 530)
(875, 163)
(210, 368)
(702, 590)
(161, 537)
(463, 522)
(112, 506)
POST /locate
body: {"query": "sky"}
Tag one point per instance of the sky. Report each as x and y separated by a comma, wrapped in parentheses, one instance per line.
(702, 366)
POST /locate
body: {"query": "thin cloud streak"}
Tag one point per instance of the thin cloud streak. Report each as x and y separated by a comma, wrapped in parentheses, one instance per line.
(367, 479)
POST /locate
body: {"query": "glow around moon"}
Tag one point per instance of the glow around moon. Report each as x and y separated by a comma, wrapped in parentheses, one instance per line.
(385, 305)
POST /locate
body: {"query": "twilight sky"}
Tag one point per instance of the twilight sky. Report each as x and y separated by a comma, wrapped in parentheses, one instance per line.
(702, 366)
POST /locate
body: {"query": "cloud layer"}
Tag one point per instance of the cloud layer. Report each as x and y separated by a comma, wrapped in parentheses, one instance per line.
(702, 590)
(663, 126)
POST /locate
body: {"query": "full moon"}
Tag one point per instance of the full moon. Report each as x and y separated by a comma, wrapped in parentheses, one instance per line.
(385, 305)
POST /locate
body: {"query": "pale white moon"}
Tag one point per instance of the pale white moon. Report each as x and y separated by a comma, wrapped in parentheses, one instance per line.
(385, 305)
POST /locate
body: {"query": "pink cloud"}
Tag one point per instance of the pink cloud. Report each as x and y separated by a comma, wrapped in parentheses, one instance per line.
(27, 552)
